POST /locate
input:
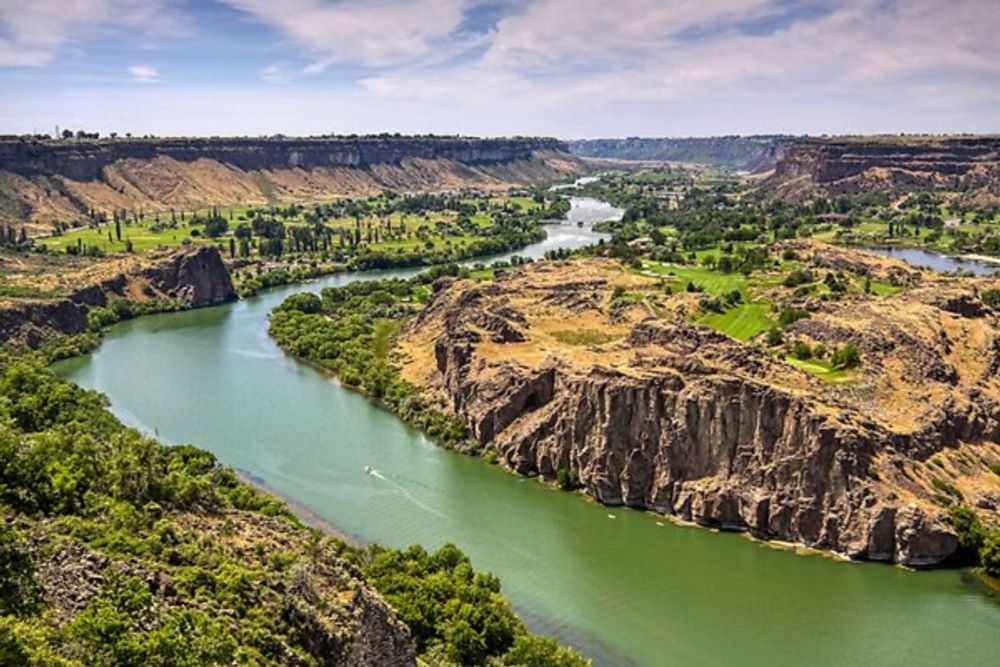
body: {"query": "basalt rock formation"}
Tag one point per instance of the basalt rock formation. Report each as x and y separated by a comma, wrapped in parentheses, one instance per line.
(893, 165)
(560, 379)
(187, 278)
(752, 154)
(50, 181)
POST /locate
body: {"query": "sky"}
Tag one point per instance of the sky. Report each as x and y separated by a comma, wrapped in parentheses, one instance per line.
(565, 68)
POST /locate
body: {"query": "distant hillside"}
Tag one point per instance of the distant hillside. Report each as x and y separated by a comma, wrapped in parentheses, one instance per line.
(42, 182)
(966, 166)
(754, 153)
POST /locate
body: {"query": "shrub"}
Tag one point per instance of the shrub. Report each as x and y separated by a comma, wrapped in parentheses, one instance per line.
(989, 553)
(774, 337)
(801, 350)
(567, 478)
(791, 315)
(991, 297)
(847, 356)
(798, 277)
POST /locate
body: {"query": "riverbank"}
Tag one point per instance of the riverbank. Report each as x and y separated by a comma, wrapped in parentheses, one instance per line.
(631, 590)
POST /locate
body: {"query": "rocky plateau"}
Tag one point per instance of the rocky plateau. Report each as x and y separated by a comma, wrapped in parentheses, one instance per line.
(642, 408)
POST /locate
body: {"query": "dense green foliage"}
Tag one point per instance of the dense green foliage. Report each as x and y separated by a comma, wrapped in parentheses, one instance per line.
(153, 525)
(978, 542)
(349, 331)
(456, 613)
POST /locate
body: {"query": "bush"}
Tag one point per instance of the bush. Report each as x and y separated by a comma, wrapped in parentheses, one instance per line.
(791, 315)
(801, 350)
(567, 478)
(774, 337)
(798, 277)
(845, 357)
(989, 553)
(991, 297)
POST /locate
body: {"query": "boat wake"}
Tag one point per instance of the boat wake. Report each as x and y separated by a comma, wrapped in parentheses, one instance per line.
(406, 494)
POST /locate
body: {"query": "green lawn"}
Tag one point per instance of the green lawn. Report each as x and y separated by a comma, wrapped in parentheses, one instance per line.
(482, 274)
(884, 289)
(141, 236)
(741, 322)
(821, 369)
(713, 282)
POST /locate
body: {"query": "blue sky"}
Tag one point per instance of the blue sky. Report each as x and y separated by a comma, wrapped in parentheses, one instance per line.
(569, 68)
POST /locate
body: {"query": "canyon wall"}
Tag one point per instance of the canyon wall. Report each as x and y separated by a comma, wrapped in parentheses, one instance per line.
(752, 154)
(42, 182)
(968, 166)
(675, 418)
(188, 278)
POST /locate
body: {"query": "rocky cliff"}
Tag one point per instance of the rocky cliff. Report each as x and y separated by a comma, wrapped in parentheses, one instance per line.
(659, 414)
(189, 278)
(44, 182)
(753, 154)
(969, 165)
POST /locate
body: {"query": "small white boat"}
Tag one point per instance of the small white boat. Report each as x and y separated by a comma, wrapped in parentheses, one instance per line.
(369, 469)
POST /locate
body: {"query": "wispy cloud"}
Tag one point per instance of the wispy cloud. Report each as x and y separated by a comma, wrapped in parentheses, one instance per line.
(32, 32)
(143, 73)
(568, 67)
(372, 33)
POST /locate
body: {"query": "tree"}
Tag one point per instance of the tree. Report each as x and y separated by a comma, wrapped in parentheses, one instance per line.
(989, 553)
(216, 227)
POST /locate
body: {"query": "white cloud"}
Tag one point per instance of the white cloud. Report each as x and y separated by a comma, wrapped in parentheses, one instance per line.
(374, 33)
(143, 73)
(33, 31)
(589, 53)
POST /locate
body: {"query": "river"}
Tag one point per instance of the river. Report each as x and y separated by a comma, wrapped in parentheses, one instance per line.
(623, 586)
(935, 261)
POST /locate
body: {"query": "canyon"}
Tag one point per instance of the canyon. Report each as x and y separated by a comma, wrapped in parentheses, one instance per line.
(44, 182)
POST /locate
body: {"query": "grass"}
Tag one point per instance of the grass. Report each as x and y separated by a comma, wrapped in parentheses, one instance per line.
(741, 322)
(713, 282)
(385, 331)
(821, 369)
(482, 274)
(884, 289)
(142, 238)
(582, 337)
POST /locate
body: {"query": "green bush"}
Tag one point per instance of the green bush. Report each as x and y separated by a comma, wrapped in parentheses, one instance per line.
(991, 297)
(801, 350)
(847, 356)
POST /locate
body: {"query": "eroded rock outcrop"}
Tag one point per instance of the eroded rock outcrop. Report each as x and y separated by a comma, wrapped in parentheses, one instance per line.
(189, 278)
(848, 166)
(665, 415)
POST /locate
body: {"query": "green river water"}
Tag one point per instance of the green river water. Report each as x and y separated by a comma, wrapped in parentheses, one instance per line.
(622, 586)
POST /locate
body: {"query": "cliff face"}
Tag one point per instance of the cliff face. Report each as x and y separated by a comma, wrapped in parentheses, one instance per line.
(753, 154)
(856, 166)
(44, 182)
(663, 415)
(191, 278)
